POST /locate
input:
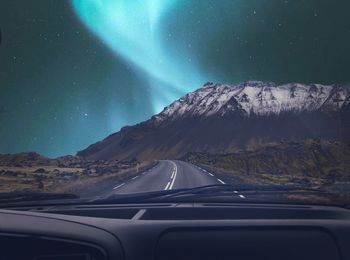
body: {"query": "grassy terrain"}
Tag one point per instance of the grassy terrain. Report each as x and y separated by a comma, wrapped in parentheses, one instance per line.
(310, 164)
(33, 172)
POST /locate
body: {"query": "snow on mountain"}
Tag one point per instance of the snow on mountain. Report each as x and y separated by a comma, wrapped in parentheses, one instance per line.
(260, 98)
(220, 118)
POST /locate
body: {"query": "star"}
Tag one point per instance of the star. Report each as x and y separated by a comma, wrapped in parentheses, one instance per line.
(125, 60)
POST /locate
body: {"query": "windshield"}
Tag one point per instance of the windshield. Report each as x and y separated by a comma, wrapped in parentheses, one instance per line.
(118, 97)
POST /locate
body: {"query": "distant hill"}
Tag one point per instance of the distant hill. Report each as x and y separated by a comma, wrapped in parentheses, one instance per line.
(219, 119)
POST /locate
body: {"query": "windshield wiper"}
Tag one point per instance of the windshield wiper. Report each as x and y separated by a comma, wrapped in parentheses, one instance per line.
(210, 192)
(142, 197)
(14, 197)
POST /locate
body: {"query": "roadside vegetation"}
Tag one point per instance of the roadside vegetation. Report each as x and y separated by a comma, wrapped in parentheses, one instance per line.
(312, 164)
(74, 174)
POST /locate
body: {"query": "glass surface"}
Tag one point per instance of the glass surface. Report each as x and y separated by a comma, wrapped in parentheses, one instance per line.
(110, 97)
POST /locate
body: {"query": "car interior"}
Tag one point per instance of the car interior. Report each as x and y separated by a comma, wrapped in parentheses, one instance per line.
(175, 231)
(174, 129)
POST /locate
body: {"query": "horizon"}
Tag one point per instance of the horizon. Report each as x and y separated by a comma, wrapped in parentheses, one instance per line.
(69, 78)
(147, 119)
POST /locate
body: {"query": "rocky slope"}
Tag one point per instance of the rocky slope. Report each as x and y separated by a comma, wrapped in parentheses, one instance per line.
(34, 172)
(220, 118)
(311, 164)
(321, 162)
(256, 97)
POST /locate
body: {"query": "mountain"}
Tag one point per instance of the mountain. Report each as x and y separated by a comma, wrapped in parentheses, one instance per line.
(219, 118)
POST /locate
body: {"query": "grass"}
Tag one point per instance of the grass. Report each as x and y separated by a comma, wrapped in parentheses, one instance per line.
(311, 164)
(73, 174)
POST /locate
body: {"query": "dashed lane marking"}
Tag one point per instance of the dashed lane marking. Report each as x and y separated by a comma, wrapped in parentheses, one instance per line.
(221, 181)
(119, 186)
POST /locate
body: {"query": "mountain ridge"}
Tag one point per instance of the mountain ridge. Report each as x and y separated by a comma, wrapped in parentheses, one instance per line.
(258, 97)
(221, 118)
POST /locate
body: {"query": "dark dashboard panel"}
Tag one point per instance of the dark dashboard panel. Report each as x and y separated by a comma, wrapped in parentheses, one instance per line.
(247, 244)
(180, 232)
(28, 233)
(32, 247)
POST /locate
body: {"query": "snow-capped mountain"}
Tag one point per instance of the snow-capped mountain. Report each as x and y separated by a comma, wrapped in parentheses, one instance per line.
(219, 118)
(260, 98)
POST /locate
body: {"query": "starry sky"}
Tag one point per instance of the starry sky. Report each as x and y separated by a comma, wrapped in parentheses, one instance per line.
(73, 72)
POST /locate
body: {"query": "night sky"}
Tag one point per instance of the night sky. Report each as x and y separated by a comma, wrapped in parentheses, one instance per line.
(72, 73)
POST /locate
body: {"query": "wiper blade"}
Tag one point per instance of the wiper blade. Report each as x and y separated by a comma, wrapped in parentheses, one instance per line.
(203, 192)
(13, 197)
(217, 191)
(141, 197)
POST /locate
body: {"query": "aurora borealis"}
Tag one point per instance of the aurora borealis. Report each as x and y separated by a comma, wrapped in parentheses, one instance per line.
(72, 72)
(139, 42)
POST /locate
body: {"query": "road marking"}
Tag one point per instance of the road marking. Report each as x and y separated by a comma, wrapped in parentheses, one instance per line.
(235, 191)
(135, 177)
(221, 181)
(210, 174)
(241, 196)
(172, 175)
(175, 174)
(167, 186)
(119, 186)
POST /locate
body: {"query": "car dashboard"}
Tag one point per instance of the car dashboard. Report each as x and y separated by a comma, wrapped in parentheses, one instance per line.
(175, 231)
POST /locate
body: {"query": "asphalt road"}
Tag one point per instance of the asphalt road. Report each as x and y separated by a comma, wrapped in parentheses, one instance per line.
(168, 175)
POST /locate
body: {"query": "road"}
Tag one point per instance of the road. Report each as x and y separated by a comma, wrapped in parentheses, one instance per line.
(168, 175)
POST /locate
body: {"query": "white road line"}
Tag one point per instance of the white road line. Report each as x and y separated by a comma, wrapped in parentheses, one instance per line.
(135, 177)
(167, 186)
(172, 175)
(175, 174)
(210, 174)
(221, 181)
(118, 186)
(241, 196)
(235, 191)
